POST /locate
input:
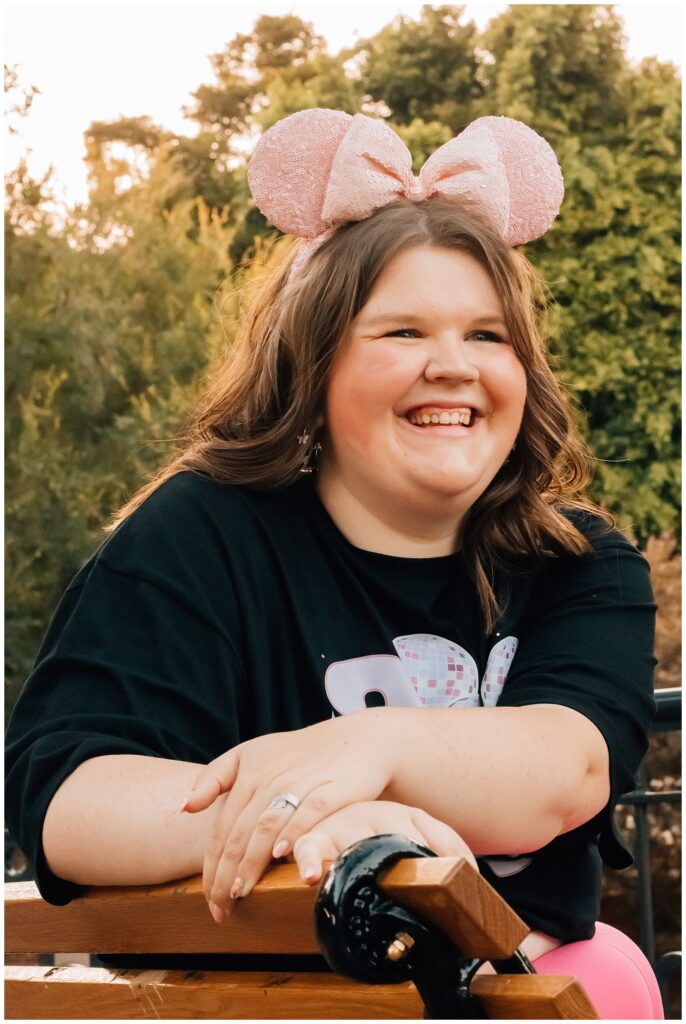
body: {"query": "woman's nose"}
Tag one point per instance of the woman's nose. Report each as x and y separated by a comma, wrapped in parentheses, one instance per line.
(451, 358)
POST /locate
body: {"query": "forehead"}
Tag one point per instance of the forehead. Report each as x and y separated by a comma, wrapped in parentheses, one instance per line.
(425, 281)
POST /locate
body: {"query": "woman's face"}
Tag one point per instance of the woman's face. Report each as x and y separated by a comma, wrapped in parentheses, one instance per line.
(426, 396)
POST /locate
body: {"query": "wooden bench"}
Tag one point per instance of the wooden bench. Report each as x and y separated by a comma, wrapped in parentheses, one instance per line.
(447, 896)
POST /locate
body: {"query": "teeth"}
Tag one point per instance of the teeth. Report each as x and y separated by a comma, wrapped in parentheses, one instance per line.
(462, 416)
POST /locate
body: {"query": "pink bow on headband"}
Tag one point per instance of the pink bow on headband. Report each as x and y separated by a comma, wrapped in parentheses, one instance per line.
(318, 169)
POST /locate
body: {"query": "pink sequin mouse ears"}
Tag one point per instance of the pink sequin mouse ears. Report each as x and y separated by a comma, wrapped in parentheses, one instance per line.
(318, 169)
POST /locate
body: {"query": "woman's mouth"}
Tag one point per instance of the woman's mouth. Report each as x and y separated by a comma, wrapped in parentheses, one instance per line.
(427, 417)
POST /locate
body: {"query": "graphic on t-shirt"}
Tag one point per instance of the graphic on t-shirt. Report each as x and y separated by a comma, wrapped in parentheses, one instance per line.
(505, 867)
(429, 671)
(442, 673)
(348, 683)
(497, 668)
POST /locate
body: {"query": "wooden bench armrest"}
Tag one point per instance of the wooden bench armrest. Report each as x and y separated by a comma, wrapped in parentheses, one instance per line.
(277, 917)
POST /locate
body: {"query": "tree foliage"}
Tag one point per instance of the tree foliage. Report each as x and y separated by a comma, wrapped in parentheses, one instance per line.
(424, 69)
(560, 68)
(114, 316)
(108, 325)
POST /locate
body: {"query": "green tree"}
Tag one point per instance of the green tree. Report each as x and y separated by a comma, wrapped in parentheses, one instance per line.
(109, 326)
(560, 68)
(321, 82)
(278, 48)
(613, 262)
(279, 67)
(423, 69)
(126, 148)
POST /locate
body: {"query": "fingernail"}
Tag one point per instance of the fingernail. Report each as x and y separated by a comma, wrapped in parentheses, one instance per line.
(184, 805)
(280, 848)
(237, 889)
(309, 872)
(217, 913)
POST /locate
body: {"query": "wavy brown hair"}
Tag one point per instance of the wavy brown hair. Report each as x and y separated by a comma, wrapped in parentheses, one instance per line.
(271, 388)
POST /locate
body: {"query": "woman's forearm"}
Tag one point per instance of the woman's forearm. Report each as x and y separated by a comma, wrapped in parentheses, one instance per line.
(116, 821)
(508, 780)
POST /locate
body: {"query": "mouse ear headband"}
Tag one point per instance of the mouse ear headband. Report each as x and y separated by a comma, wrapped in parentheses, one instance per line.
(317, 169)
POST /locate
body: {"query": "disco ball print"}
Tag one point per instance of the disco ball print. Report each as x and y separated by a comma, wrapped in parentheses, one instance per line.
(442, 673)
(498, 665)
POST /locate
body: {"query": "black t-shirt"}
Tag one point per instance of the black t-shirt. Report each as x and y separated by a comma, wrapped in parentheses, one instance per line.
(218, 613)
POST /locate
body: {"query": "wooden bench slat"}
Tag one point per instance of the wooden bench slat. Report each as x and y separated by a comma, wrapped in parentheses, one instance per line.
(277, 917)
(83, 993)
(527, 997)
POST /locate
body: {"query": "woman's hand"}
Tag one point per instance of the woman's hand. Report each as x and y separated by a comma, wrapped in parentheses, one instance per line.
(326, 766)
(336, 833)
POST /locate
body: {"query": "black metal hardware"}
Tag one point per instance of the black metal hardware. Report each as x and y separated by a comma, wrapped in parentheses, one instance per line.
(667, 719)
(668, 714)
(357, 926)
(518, 963)
(667, 967)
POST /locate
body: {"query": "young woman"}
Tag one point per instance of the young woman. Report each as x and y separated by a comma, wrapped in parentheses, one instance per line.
(431, 630)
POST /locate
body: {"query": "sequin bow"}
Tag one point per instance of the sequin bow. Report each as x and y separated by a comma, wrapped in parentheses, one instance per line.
(318, 169)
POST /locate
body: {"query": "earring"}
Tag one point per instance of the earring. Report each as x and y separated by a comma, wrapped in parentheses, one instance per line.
(311, 454)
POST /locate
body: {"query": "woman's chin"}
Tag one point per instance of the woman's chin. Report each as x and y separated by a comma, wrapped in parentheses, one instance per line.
(461, 488)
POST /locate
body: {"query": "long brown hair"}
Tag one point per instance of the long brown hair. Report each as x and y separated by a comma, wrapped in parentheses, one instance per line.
(270, 391)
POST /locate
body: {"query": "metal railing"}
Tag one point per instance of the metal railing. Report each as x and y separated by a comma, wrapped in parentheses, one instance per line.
(667, 719)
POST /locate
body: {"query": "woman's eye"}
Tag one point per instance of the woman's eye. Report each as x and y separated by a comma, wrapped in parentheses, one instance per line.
(479, 335)
(487, 335)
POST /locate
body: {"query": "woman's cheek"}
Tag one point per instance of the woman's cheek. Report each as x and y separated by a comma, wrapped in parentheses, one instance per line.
(346, 420)
(509, 389)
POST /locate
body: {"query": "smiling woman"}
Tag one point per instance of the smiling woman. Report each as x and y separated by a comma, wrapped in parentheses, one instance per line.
(391, 444)
(380, 499)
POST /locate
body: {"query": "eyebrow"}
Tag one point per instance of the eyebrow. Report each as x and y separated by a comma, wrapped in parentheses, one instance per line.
(415, 318)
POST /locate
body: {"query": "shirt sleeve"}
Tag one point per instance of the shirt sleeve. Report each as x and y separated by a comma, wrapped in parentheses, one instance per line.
(139, 659)
(588, 645)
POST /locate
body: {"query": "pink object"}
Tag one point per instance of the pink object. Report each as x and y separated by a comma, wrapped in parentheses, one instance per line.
(442, 673)
(317, 169)
(617, 978)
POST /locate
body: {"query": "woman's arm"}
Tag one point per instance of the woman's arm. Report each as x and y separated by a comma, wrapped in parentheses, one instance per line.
(115, 821)
(509, 780)
(506, 779)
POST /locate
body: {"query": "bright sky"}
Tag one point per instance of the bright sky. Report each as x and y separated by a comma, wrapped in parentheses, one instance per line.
(100, 61)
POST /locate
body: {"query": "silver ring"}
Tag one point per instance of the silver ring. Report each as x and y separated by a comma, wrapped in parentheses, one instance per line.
(285, 800)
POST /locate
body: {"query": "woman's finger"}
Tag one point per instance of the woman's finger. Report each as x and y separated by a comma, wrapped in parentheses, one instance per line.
(263, 827)
(319, 803)
(331, 837)
(310, 852)
(226, 841)
(239, 870)
(216, 778)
